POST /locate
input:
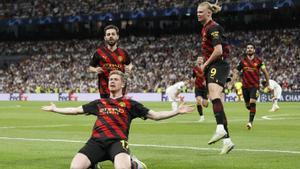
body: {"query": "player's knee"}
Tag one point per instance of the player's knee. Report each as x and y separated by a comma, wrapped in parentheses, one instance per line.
(122, 165)
(199, 101)
(205, 103)
(76, 166)
(80, 161)
(122, 161)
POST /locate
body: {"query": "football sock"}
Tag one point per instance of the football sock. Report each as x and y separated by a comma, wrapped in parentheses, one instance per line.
(200, 110)
(174, 106)
(275, 102)
(252, 112)
(218, 110)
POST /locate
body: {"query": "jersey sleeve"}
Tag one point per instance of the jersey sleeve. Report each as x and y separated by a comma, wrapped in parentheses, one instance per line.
(95, 60)
(240, 66)
(262, 65)
(138, 110)
(91, 108)
(216, 34)
(127, 58)
(194, 73)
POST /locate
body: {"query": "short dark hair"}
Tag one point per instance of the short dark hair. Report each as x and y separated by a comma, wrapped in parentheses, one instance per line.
(264, 83)
(252, 44)
(111, 27)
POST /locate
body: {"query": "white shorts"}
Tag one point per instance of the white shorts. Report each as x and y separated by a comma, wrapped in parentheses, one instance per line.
(277, 93)
(171, 96)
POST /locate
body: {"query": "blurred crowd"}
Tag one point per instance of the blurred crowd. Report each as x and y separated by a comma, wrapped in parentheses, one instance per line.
(61, 66)
(41, 8)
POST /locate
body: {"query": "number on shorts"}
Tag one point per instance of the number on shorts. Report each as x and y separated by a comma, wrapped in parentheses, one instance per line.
(213, 72)
(124, 144)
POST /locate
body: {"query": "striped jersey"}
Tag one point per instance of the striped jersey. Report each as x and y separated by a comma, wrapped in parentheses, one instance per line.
(109, 60)
(114, 117)
(251, 71)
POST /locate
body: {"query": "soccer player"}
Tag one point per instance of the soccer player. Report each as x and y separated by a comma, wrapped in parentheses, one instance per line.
(251, 66)
(173, 93)
(109, 57)
(275, 89)
(238, 90)
(215, 50)
(200, 88)
(109, 139)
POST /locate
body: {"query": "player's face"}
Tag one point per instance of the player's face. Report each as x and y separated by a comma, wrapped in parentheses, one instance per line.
(202, 13)
(250, 50)
(111, 37)
(115, 83)
(200, 60)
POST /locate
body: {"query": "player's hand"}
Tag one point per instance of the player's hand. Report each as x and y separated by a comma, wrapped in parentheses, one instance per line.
(51, 107)
(183, 109)
(98, 69)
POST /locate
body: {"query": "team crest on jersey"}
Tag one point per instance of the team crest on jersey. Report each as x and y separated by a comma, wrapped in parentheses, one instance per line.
(122, 104)
(120, 58)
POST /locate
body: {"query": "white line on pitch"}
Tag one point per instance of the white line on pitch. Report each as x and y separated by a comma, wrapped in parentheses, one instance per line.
(152, 145)
(38, 126)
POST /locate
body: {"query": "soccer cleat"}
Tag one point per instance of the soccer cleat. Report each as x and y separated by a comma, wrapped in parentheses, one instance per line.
(227, 147)
(217, 136)
(249, 126)
(201, 119)
(274, 108)
(137, 164)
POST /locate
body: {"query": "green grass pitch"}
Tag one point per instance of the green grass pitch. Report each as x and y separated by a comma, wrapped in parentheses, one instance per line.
(33, 139)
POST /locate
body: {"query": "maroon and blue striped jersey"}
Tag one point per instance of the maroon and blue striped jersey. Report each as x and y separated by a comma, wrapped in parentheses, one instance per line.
(114, 117)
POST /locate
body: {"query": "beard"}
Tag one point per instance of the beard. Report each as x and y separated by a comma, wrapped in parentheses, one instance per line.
(250, 53)
(111, 42)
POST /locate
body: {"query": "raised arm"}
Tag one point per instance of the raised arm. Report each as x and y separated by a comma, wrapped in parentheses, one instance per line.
(161, 115)
(66, 111)
(128, 68)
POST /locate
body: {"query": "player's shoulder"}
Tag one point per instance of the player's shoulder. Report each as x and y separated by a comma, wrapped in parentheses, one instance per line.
(128, 102)
(181, 83)
(257, 57)
(94, 102)
(272, 81)
(121, 49)
(214, 26)
(98, 50)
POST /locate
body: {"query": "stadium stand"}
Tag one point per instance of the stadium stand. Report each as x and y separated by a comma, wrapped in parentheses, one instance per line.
(41, 8)
(52, 66)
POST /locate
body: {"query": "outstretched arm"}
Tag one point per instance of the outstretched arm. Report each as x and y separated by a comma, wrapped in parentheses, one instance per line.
(161, 115)
(128, 68)
(66, 111)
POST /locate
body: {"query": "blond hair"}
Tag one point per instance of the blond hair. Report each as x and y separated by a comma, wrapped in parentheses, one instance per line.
(121, 74)
(215, 8)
